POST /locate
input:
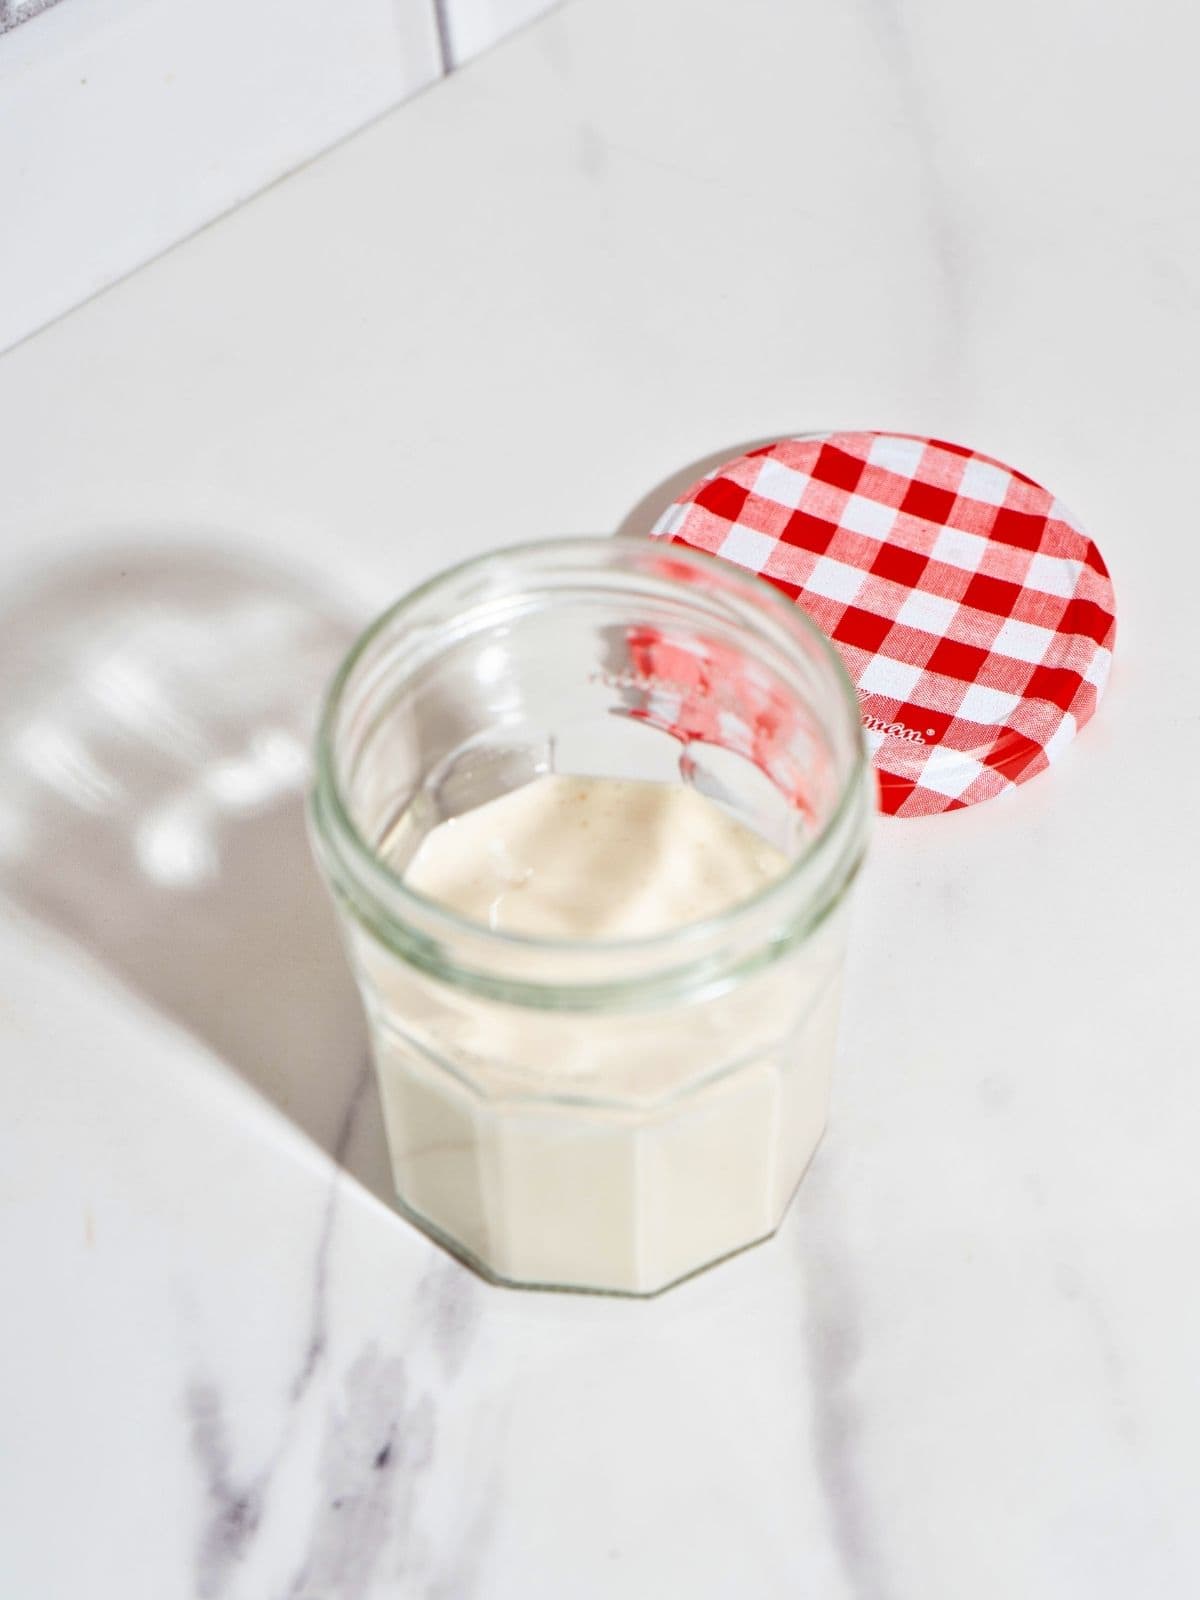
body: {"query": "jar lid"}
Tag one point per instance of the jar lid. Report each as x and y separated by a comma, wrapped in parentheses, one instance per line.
(975, 616)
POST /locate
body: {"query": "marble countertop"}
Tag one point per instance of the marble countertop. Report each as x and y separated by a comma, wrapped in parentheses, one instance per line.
(632, 239)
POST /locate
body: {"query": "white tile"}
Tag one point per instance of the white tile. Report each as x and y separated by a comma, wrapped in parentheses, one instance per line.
(1023, 641)
(748, 547)
(929, 612)
(473, 26)
(125, 127)
(867, 517)
(835, 580)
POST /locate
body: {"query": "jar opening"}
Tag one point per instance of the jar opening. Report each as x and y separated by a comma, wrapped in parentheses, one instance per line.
(602, 657)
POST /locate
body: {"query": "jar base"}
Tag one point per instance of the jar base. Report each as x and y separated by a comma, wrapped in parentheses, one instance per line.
(498, 1280)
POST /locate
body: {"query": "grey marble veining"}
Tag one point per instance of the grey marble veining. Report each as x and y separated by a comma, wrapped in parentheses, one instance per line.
(14, 12)
(887, 23)
(833, 1338)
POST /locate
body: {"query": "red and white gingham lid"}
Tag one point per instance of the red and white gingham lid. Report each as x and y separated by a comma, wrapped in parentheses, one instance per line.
(974, 614)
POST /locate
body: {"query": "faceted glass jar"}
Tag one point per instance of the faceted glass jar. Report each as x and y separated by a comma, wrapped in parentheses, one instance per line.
(596, 1115)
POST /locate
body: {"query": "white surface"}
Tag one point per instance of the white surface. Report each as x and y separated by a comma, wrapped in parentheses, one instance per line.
(473, 26)
(966, 1366)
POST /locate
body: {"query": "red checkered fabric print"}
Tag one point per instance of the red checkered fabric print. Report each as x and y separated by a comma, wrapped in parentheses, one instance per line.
(976, 618)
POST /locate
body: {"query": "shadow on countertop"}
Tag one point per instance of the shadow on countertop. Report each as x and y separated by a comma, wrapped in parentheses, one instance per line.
(156, 711)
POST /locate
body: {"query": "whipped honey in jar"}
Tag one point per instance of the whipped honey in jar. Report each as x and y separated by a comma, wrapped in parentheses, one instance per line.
(609, 1200)
(591, 810)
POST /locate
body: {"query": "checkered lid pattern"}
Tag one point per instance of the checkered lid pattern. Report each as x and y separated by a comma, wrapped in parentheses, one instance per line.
(974, 614)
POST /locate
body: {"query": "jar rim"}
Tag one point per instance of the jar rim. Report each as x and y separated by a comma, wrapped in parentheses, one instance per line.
(340, 836)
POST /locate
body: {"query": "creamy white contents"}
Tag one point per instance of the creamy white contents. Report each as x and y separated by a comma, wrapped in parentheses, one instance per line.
(607, 1149)
(593, 858)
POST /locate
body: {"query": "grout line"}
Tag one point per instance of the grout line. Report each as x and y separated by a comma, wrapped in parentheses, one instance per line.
(445, 43)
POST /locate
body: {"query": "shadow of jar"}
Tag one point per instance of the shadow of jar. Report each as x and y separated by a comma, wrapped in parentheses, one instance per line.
(156, 712)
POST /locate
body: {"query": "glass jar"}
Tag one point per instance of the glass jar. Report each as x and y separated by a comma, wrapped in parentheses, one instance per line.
(596, 1115)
